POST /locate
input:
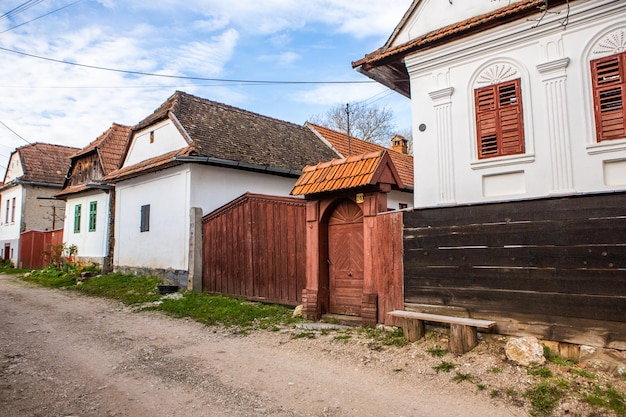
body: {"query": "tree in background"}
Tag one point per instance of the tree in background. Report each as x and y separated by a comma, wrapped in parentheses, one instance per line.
(370, 123)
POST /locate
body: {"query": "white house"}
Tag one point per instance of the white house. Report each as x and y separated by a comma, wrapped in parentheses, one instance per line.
(196, 153)
(89, 201)
(34, 174)
(510, 100)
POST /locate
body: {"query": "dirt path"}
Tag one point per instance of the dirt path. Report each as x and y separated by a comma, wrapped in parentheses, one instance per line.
(63, 354)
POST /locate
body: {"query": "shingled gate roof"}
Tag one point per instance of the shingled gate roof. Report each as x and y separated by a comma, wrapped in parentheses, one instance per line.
(339, 141)
(386, 65)
(352, 172)
(44, 163)
(223, 132)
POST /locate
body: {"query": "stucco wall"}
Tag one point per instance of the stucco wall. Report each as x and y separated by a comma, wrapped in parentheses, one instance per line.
(562, 156)
(92, 245)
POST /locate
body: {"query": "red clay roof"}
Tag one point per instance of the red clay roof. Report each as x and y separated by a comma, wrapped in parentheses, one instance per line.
(44, 162)
(150, 165)
(351, 172)
(373, 64)
(339, 141)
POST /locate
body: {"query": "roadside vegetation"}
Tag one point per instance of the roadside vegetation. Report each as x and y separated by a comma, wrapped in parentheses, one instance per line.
(547, 389)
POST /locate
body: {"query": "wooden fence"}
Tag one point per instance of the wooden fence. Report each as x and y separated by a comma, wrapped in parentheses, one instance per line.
(255, 247)
(555, 268)
(32, 245)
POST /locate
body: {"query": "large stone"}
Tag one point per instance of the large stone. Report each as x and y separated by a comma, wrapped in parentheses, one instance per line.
(525, 351)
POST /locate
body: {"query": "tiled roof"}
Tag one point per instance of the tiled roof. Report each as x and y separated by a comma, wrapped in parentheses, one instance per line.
(45, 163)
(220, 131)
(339, 141)
(388, 56)
(351, 172)
(110, 146)
(149, 165)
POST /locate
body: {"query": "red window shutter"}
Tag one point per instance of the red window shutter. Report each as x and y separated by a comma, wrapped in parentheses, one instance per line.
(609, 93)
(499, 121)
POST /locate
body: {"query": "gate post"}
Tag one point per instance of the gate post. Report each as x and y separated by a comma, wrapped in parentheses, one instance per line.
(194, 275)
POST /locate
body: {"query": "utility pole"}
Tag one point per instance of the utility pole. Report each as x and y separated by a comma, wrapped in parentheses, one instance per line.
(348, 125)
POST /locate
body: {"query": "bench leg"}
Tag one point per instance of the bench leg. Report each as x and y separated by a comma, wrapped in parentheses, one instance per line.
(412, 329)
(462, 338)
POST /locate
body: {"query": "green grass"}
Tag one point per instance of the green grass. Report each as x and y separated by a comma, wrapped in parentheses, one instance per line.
(460, 377)
(556, 359)
(540, 371)
(543, 398)
(52, 277)
(607, 397)
(444, 366)
(129, 289)
(6, 267)
(583, 373)
(437, 351)
(384, 337)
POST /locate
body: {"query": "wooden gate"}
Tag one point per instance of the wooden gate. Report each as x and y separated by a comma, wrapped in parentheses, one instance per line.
(32, 245)
(254, 247)
(346, 260)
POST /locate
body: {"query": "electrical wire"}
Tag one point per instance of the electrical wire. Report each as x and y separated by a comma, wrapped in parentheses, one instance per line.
(19, 9)
(14, 132)
(44, 15)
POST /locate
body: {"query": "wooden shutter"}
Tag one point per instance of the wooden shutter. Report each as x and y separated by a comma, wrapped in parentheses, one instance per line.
(499, 121)
(145, 218)
(609, 93)
(77, 215)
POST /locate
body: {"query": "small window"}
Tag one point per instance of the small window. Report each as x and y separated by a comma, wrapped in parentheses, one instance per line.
(609, 91)
(6, 218)
(499, 121)
(13, 210)
(77, 213)
(93, 207)
(152, 136)
(145, 218)
(403, 206)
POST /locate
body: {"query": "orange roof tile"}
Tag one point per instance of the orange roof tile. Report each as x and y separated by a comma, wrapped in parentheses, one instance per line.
(339, 141)
(110, 145)
(45, 163)
(352, 172)
(149, 165)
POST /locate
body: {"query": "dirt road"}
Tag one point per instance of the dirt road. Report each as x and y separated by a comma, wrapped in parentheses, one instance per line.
(63, 354)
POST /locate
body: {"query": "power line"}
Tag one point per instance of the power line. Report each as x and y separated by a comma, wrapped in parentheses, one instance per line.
(21, 8)
(14, 132)
(182, 77)
(44, 15)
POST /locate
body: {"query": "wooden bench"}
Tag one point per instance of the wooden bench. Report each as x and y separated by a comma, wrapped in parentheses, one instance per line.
(463, 331)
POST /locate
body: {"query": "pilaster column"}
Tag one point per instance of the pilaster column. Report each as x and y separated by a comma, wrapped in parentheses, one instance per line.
(554, 79)
(442, 103)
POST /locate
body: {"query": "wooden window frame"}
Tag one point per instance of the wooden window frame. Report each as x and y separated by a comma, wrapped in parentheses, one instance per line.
(77, 215)
(608, 82)
(6, 218)
(144, 223)
(499, 120)
(13, 206)
(93, 211)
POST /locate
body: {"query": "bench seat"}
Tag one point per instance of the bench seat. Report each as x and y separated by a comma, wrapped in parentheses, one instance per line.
(463, 330)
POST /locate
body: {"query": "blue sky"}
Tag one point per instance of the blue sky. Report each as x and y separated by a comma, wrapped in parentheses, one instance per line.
(278, 40)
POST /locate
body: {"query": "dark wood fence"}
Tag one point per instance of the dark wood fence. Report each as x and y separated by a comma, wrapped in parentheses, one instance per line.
(255, 247)
(555, 268)
(32, 245)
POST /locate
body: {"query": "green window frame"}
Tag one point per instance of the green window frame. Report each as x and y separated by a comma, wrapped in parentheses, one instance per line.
(77, 213)
(93, 209)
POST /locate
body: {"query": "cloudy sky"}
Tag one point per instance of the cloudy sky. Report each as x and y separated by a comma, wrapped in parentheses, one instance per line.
(44, 100)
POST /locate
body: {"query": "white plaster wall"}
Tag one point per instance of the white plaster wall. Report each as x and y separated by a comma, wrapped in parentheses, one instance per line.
(394, 198)
(442, 84)
(167, 138)
(10, 232)
(434, 14)
(166, 244)
(89, 244)
(15, 169)
(215, 186)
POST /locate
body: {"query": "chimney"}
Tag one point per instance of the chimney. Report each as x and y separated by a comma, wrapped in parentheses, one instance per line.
(399, 144)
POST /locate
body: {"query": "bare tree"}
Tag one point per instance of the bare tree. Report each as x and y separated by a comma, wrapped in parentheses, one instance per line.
(371, 123)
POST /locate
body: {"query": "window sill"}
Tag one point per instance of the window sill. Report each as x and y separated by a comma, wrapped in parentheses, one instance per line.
(502, 161)
(611, 145)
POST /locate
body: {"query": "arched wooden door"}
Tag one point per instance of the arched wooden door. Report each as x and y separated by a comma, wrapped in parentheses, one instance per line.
(345, 258)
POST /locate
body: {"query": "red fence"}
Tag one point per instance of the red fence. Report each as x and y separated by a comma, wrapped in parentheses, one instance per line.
(255, 248)
(32, 245)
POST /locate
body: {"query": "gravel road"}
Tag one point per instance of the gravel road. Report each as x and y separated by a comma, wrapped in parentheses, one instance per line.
(64, 354)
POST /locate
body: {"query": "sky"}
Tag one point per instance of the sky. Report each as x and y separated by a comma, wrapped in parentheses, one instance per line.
(306, 45)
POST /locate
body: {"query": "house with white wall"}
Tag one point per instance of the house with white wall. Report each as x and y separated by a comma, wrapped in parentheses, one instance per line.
(196, 153)
(510, 101)
(519, 139)
(89, 202)
(34, 174)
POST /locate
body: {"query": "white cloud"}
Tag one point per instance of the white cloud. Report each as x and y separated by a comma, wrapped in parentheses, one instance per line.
(282, 59)
(207, 59)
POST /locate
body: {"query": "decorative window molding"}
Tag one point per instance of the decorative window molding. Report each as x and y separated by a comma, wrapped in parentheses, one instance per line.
(611, 44)
(497, 73)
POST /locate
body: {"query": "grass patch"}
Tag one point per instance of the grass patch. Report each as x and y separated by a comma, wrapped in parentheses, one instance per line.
(437, 351)
(494, 393)
(303, 335)
(444, 366)
(52, 277)
(583, 373)
(460, 377)
(607, 397)
(543, 398)
(540, 371)
(217, 309)
(343, 337)
(129, 289)
(6, 267)
(384, 337)
(555, 358)
(496, 370)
